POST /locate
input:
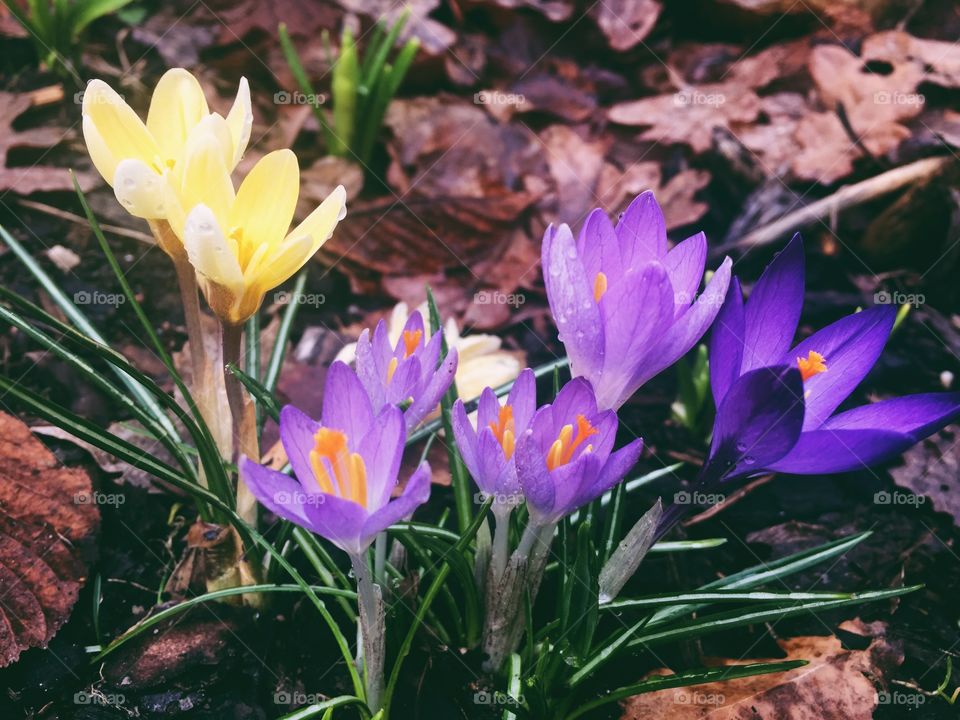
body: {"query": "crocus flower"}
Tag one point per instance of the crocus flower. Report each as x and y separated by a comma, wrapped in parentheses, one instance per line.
(346, 467)
(135, 158)
(565, 458)
(776, 401)
(623, 304)
(238, 242)
(481, 360)
(489, 451)
(406, 373)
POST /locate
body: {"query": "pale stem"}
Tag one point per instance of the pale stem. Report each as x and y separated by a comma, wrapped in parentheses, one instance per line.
(371, 650)
(501, 540)
(232, 339)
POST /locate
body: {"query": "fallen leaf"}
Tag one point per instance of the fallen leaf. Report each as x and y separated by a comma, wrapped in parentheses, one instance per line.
(434, 36)
(575, 164)
(48, 522)
(837, 684)
(554, 10)
(616, 188)
(626, 22)
(34, 178)
(931, 469)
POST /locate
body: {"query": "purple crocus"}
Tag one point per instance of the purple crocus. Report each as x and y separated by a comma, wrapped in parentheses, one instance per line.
(346, 467)
(776, 401)
(489, 450)
(623, 304)
(406, 375)
(565, 458)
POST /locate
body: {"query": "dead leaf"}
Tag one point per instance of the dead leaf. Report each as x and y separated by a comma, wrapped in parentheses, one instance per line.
(48, 522)
(553, 10)
(626, 22)
(617, 188)
(64, 258)
(35, 178)
(931, 469)
(434, 36)
(322, 178)
(575, 164)
(837, 684)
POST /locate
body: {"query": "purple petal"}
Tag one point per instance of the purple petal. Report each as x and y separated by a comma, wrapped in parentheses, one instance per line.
(415, 493)
(570, 294)
(339, 521)
(574, 485)
(642, 231)
(532, 473)
(689, 327)
(726, 343)
(465, 437)
(850, 347)
(757, 423)
(616, 468)
(523, 400)
(773, 309)
(599, 247)
(297, 432)
(488, 408)
(685, 265)
(492, 473)
(428, 400)
(279, 493)
(870, 434)
(346, 406)
(575, 398)
(382, 450)
(369, 371)
(414, 323)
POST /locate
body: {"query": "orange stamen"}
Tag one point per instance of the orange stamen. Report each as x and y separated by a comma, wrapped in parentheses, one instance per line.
(599, 286)
(811, 365)
(349, 479)
(392, 368)
(503, 431)
(561, 452)
(411, 340)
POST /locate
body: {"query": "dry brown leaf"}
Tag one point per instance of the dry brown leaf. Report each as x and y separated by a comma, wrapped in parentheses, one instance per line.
(48, 522)
(626, 22)
(616, 188)
(939, 61)
(575, 164)
(837, 684)
(554, 10)
(304, 18)
(931, 469)
(434, 37)
(35, 178)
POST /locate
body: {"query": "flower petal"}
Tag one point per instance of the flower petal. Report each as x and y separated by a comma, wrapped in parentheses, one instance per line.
(870, 434)
(415, 493)
(850, 348)
(113, 131)
(346, 406)
(726, 343)
(140, 190)
(532, 472)
(279, 493)
(240, 120)
(570, 295)
(758, 422)
(297, 431)
(382, 450)
(319, 224)
(523, 399)
(599, 247)
(642, 231)
(466, 438)
(428, 399)
(773, 309)
(209, 252)
(685, 265)
(267, 198)
(176, 107)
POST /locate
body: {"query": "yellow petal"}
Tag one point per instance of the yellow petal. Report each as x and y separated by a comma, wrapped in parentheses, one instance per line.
(202, 177)
(319, 224)
(176, 107)
(209, 251)
(291, 255)
(266, 200)
(113, 132)
(140, 189)
(240, 121)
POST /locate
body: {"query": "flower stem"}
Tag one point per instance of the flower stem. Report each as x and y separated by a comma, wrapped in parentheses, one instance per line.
(501, 541)
(243, 443)
(372, 649)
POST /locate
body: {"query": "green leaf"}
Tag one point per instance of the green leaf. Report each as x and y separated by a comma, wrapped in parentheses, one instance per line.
(721, 596)
(300, 76)
(264, 397)
(343, 86)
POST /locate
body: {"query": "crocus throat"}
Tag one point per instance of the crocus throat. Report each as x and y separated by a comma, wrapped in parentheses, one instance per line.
(811, 365)
(561, 452)
(411, 341)
(337, 470)
(599, 286)
(503, 431)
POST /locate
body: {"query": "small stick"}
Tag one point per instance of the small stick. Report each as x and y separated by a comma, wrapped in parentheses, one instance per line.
(729, 500)
(845, 197)
(70, 217)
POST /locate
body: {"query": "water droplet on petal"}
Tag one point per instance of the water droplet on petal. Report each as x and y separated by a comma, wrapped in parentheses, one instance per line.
(749, 460)
(741, 446)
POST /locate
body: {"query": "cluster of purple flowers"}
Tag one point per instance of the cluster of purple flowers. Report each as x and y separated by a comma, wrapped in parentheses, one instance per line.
(626, 307)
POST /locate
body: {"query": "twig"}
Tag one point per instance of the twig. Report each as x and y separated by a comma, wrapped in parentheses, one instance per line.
(70, 217)
(845, 197)
(729, 500)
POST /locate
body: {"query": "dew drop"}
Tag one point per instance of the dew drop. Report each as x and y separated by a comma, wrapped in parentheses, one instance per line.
(741, 446)
(129, 182)
(579, 335)
(749, 460)
(555, 271)
(586, 305)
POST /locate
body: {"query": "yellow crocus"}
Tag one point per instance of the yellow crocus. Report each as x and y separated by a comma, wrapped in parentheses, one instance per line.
(238, 242)
(134, 157)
